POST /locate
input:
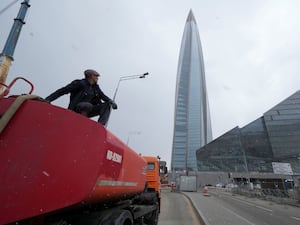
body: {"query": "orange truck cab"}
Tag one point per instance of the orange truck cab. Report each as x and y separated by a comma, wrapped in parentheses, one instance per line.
(153, 176)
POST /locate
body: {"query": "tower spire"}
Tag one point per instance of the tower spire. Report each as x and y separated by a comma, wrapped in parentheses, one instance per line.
(191, 17)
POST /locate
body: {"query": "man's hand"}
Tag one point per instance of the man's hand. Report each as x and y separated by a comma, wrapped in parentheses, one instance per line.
(45, 100)
(113, 104)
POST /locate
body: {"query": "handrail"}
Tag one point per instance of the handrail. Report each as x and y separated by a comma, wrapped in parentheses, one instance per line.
(8, 87)
(5, 92)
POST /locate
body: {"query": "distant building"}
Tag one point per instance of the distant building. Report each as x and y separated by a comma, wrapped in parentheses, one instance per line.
(274, 137)
(192, 126)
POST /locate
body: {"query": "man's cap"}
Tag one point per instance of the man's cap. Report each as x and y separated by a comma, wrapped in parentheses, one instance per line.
(90, 72)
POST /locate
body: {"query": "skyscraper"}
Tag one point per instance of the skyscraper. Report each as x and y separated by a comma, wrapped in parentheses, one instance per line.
(192, 126)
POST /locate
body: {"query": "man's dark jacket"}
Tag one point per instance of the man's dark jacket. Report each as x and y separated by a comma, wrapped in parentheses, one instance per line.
(81, 91)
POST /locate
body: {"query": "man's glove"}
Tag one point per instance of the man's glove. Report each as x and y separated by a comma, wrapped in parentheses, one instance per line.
(113, 104)
(46, 100)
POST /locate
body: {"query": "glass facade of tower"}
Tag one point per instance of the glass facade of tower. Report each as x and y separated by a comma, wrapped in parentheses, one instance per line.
(192, 127)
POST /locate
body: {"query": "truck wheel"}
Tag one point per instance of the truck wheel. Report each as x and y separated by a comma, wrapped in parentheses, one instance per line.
(152, 218)
(120, 217)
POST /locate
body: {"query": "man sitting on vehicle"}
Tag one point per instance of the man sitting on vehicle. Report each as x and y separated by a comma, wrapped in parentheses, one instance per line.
(86, 97)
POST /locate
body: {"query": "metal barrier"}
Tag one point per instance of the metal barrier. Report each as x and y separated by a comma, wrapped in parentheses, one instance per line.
(289, 196)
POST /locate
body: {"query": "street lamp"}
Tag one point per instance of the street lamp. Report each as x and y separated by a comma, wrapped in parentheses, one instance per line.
(143, 75)
(131, 133)
(128, 78)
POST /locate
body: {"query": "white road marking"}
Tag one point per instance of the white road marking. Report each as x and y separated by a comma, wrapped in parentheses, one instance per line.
(263, 208)
(239, 216)
(295, 218)
(251, 204)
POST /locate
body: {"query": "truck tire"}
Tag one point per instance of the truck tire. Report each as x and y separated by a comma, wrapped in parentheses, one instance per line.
(120, 217)
(152, 218)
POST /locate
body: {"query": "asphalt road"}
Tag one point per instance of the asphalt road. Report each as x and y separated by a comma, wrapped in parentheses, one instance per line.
(223, 208)
(176, 209)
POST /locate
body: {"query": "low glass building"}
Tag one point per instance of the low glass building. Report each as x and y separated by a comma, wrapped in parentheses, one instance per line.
(274, 137)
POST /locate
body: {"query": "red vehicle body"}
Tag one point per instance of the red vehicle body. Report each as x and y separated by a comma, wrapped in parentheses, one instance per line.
(54, 161)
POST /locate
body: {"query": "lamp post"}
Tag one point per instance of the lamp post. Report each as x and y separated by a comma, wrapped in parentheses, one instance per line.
(128, 78)
(131, 77)
(131, 133)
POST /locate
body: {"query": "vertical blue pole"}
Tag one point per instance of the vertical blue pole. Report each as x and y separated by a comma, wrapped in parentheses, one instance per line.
(6, 57)
(15, 31)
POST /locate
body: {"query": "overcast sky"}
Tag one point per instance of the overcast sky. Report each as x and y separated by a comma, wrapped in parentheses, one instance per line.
(251, 53)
